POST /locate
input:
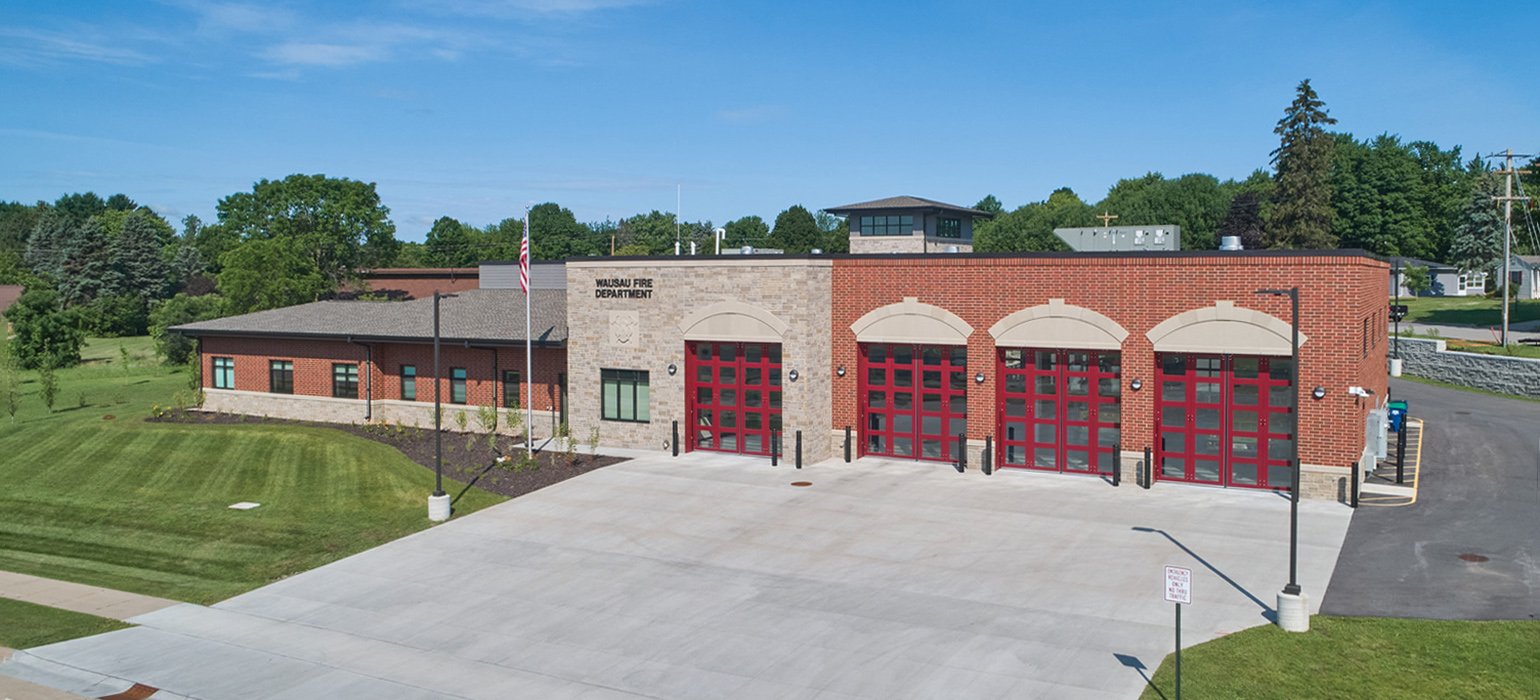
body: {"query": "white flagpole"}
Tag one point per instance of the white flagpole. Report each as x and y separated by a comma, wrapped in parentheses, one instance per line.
(529, 362)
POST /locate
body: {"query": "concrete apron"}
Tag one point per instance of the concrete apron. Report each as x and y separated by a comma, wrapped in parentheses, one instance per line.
(713, 576)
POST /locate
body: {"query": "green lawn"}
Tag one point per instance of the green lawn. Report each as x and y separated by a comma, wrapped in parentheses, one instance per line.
(1347, 657)
(95, 494)
(24, 625)
(1468, 311)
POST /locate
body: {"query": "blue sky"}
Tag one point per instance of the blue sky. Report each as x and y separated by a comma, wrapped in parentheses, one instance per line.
(475, 108)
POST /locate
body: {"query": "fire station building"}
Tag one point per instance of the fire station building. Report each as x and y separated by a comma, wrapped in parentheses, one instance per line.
(1069, 363)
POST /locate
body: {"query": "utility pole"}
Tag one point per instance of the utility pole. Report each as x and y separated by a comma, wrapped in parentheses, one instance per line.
(1508, 199)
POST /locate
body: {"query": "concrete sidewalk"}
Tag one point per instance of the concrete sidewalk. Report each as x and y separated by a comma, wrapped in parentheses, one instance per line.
(710, 576)
(92, 600)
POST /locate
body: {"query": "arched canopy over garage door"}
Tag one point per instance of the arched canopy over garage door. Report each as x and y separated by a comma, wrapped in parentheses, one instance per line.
(1223, 328)
(1058, 325)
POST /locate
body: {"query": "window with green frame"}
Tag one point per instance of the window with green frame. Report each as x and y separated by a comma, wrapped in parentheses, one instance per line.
(887, 225)
(457, 385)
(408, 382)
(511, 395)
(626, 394)
(344, 381)
(948, 227)
(224, 373)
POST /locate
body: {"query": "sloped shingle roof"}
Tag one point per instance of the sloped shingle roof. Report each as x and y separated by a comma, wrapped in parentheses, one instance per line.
(493, 316)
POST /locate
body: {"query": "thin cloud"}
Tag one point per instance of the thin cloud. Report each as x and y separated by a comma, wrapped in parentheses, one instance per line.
(32, 48)
(325, 55)
(217, 17)
(525, 8)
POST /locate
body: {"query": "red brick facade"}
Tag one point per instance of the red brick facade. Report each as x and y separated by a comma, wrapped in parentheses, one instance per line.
(313, 360)
(1342, 307)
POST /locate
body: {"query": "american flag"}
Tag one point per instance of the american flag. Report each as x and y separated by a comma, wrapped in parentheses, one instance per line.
(524, 258)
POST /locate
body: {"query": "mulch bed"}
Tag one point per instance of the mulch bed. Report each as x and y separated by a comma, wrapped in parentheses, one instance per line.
(468, 458)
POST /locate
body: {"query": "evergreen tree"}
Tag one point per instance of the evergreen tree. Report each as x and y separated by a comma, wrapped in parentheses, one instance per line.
(796, 231)
(1303, 212)
(1245, 220)
(990, 204)
(48, 245)
(1477, 245)
(86, 272)
(138, 270)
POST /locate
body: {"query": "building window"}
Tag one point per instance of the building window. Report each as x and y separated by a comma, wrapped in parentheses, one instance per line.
(948, 228)
(457, 385)
(887, 225)
(625, 395)
(280, 376)
(345, 381)
(510, 389)
(224, 373)
(408, 382)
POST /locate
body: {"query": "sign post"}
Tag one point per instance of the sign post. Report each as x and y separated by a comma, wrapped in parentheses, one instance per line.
(1178, 591)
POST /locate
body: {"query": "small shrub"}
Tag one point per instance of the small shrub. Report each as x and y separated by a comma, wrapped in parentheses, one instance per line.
(568, 444)
(593, 440)
(80, 400)
(48, 382)
(124, 357)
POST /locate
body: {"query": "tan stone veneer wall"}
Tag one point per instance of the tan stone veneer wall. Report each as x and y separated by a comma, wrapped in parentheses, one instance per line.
(906, 244)
(646, 334)
(325, 409)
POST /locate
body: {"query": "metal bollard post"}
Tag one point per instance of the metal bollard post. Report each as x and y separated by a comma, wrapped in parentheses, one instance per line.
(775, 446)
(1149, 469)
(989, 455)
(799, 449)
(1353, 487)
(1401, 453)
(675, 441)
(847, 444)
(962, 452)
(1117, 464)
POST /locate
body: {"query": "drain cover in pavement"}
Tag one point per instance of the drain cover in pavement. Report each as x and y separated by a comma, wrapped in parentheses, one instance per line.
(801, 483)
(1475, 558)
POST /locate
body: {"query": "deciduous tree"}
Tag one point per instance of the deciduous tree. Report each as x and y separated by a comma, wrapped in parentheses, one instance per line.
(338, 223)
(270, 273)
(796, 231)
(44, 333)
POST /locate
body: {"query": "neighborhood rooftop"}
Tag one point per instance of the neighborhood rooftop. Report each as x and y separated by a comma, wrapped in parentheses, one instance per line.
(904, 202)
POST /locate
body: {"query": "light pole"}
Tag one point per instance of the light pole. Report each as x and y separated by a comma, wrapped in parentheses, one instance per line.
(438, 503)
(1293, 608)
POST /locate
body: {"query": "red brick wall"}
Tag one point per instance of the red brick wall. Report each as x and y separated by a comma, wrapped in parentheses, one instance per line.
(313, 361)
(1139, 292)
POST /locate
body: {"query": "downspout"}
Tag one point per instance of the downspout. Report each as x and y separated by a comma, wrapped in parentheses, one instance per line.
(368, 378)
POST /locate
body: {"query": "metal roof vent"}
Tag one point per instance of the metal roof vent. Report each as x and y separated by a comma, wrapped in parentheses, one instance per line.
(953, 249)
(1230, 243)
(747, 250)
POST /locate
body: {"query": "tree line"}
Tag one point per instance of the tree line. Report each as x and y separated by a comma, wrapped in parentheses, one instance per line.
(112, 267)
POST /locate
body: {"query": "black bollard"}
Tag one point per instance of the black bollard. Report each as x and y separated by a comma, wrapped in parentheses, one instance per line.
(1149, 469)
(1401, 453)
(1353, 487)
(847, 444)
(675, 441)
(989, 455)
(962, 452)
(775, 446)
(1117, 465)
(799, 449)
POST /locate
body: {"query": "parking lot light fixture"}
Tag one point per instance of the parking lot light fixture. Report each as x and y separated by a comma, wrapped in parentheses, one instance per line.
(1293, 611)
(438, 503)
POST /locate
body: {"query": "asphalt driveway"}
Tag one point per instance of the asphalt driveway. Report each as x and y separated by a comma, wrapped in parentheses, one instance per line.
(715, 577)
(1478, 495)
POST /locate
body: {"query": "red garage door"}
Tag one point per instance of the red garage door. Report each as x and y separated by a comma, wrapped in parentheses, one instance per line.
(733, 396)
(914, 400)
(1225, 420)
(1059, 409)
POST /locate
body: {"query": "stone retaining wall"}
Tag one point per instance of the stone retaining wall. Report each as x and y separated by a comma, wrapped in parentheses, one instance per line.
(1500, 373)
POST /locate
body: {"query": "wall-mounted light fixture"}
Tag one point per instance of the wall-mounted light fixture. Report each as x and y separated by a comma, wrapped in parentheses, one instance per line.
(1136, 385)
(840, 371)
(672, 369)
(792, 375)
(978, 378)
(1318, 392)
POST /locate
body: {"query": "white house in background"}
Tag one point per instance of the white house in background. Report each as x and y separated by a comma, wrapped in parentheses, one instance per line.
(1525, 269)
(1446, 280)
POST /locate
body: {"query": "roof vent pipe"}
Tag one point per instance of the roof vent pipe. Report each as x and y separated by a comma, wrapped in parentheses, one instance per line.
(953, 249)
(1230, 243)
(747, 250)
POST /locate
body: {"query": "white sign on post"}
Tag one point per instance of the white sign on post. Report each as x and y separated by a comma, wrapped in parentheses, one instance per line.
(1178, 585)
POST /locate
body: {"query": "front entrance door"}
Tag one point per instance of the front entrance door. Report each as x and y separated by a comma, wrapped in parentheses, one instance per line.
(1225, 420)
(1059, 409)
(733, 396)
(914, 400)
